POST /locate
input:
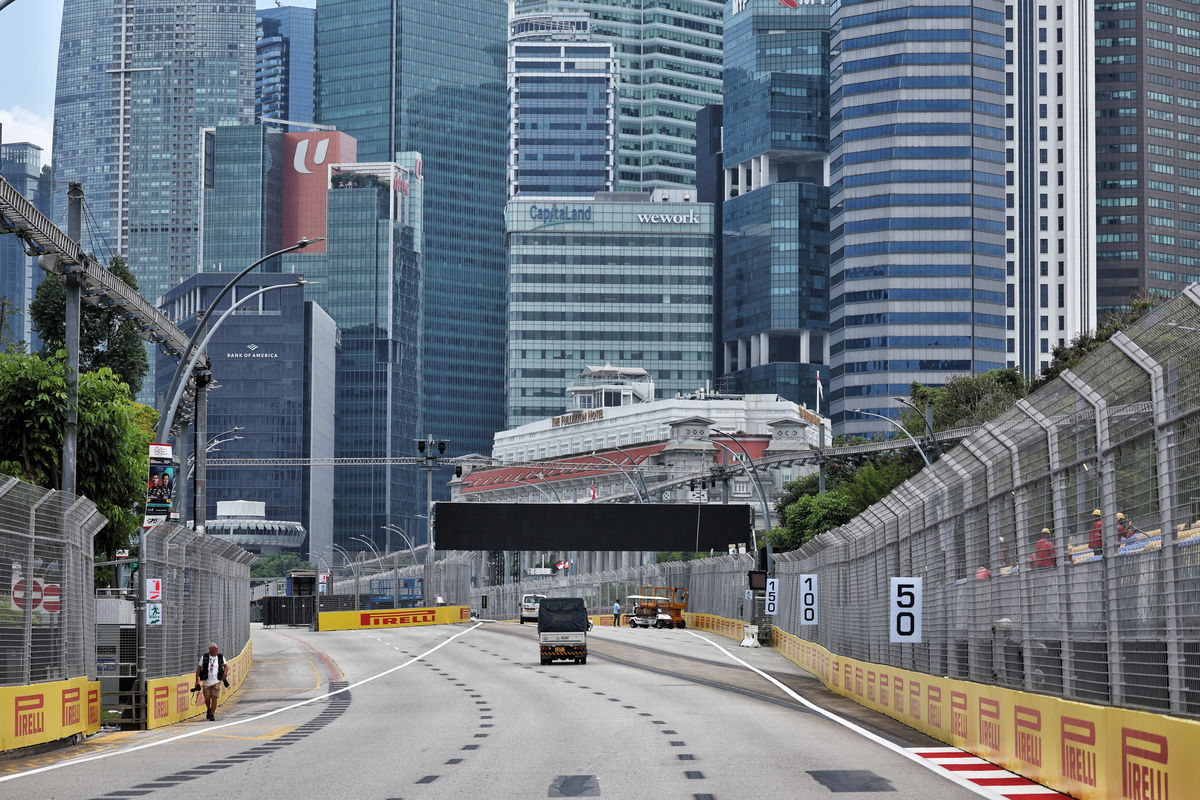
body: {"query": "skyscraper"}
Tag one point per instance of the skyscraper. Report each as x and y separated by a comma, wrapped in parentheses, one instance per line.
(137, 80)
(961, 195)
(1051, 196)
(266, 188)
(562, 92)
(284, 70)
(619, 278)
(416, 77)
(670, 58)
(1148, 146)
(21, 165)
(775, 252)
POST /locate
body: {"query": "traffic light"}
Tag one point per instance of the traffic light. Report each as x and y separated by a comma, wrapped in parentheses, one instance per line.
(458, 470)
(420, 445)
(441, 446)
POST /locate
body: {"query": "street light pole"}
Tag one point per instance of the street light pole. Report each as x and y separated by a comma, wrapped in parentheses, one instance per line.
(164, 422)
(752, 474)
(900, 428)
(369, 544)
(404, 536)
(926, 417)
(641, 477)
(353, 570)
(636, 491)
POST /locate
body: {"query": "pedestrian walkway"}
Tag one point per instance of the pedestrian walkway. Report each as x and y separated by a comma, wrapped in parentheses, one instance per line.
(986, 774)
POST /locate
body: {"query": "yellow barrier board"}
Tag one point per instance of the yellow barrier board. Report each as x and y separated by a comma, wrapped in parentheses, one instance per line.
(729, 628)
(391, 618)
(44, 712)
(172, 700)
(1090, 752)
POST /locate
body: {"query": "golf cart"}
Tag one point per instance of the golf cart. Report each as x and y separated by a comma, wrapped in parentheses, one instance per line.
(648, 612)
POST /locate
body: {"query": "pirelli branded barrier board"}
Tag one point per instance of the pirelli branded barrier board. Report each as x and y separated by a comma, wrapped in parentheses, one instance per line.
(391, 618)
(44, 712)
(1090, 752)
(172, 699)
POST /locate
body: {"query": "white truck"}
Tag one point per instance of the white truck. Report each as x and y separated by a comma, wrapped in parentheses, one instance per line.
(529, 607)
(562, 630)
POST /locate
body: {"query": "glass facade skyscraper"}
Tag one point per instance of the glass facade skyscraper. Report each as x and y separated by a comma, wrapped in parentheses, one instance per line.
(265, 188)
(137, 80)
(775, 252)
(21, 165)
(284, 70)
(619, 278)
(275, 360)
(917, 239)
(416, 76)
(670, 55)
(562, 92)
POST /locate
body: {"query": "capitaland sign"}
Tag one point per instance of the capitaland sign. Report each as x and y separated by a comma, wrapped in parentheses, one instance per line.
(554, 214)
(690, 218)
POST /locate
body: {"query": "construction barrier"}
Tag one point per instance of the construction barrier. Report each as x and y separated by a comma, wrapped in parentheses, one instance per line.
(172, 700)
(1090, 752)
(44, 712)
(729, 628)
(393, 618)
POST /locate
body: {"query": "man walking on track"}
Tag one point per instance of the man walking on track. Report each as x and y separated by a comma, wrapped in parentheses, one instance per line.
(210, 674)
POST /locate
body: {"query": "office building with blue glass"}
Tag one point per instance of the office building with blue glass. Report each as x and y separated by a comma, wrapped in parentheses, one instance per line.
(21, 165)
(284, 63)
(262, 183)
(620, 278)
(274, 360)
(917, 220)
(419, 76)
(775, 247)
(670, 64)
(137, 81)
(562, 99)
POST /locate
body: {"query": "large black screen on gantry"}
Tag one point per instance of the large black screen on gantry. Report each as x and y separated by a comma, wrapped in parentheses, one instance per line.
(590, 526)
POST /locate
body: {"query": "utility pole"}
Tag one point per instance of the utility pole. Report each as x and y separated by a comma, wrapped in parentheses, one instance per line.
(72, 287)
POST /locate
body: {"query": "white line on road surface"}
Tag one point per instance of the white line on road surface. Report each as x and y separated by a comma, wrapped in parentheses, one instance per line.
(895, 748)
(262, 716)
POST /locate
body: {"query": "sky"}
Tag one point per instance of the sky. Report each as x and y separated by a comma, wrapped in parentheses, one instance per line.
(28, 62)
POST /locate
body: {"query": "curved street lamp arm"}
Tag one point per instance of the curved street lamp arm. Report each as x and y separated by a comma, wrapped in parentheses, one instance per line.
(369, 544)
(403, 536)
(924, 420)
(900, 428)
(545, 494)
(636, 491)
(752, 474)
(164, 424)
(641, 477)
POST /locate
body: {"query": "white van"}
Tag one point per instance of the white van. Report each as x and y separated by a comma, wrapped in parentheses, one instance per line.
(529, 607)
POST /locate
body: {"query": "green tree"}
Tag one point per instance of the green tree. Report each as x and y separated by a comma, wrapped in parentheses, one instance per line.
(966, 400)
(277, 565)
(106, 338)
(1065, 357)
(10, 342)
(113, 435)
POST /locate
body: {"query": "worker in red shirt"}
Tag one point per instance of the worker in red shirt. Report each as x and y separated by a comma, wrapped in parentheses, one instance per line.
(1043, 551)
(1096, 539)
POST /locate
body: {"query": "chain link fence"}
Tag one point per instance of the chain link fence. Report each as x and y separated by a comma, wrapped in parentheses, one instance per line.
(47, 612)
(205, 598)
(1059, 546)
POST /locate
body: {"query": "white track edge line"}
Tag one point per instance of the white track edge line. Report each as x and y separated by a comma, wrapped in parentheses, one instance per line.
(189, 734)
(895, 748)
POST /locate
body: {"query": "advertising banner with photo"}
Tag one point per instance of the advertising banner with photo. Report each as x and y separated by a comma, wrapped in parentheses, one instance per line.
(160, 485)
